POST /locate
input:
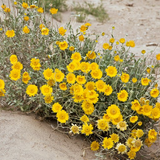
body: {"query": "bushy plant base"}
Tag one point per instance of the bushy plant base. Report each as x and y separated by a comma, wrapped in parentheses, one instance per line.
(106, 94)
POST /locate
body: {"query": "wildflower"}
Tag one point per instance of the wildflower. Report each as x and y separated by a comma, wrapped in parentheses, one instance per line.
(103, 33)
(63, 45)
(2, 84)
(158, 56)
(122, 40)
(110, 47)
(87, 24)
(103, 125)
(35, 64)
(83, 28)
(71, 48)
(145, 81)
(74, 129)
(3, 6)
(24, 5)
(48, 98)
(94, 66)
(111, 71)
(115, 121)
(100, 85)
(147, 109)
(154, 93)
(96, 74)
(116, 58)
(40, 10)
(53, 11)
(48, 73)
(139, 123)
(143, 51)
(134, 80)
(10, 33)
(107, 143)
(7, 10)
(76, 56)
(26, 18)
(56, 107)
(135, 105)
(87, 107)
(114, 137)
(148, 70)
(33, 6)
(72, 66)
(26, 30)
(46, 90)
(25, 77)
(121, 148)
(131, 43)
(84, 119)
(58, 75)
(77, 89)
(2, 92)
(129, 142)
(41, 26)
(92, 96)
(91, 55)
(85, 67)
(45, 31)
(133, 119)
(13, 59)
(125, 77)
(62, 31)
(113, 111)
(87, 129)
(71, 78)
(112, 40)
(63, 86)
(81, 79)
(139, 133)
(81, 38)
(155, 113)
(108, 90)
(131, 154)
(32, 90)
(105, 46)
(62, 116)
(90, 85)
(106, 117)
(94, 146)
(122, 95)
(122, 125)
(15, 74)
(17, 65)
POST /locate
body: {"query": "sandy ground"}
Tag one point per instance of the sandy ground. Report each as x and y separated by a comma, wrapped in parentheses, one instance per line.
(25, 138)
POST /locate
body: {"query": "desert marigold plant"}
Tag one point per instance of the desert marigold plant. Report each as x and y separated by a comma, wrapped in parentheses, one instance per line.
(102, 91)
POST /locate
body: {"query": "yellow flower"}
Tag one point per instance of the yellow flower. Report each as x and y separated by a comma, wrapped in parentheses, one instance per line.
(147, 109)
(121, 148)
(62, 116)
(63, 86)
(143, 51)
(7, 10)
(13, 59)
(77, 98)
(139, 133)
(122, 40)
(76, 56)
(24, 5)
(41, 26)
(131, 43)
(134, 80)
(33, 6)
(133, 119)
(152, 134)
(63, 45)
(117, 43)
(115, 121)
(129, 141)
(25, 77)
(125, 77)
(71, 48)
(103, 33)
(71, 78)
(108, 90)
(139, 123)
(81, 79)
(110, 47)
(72, 66)
(2, 84)
(94, 66)
(111, 71)
(90, 85)
(40, 10)
(106, 117)
(48, 73)
(96, 74)
(122, 95)
(122, 125)
(148, 69)
(103, 125)
(17, 65)
(48, 99)
(92, 96)
(35, 64)
(3, 6)
(94, 146)
(56, 107)
(154, 93)
(87, 24)
(155, 113)
(131, 154)
(107, 143)
(113, 111)
(77, 89)
(91, 55)
(114, 137)
(26, 18)
(85, 67)
(58, 75)
(62, 31)
(100, 85)
(87, 129)
(26, 29)
(46, 90)
(53, 11)
(83, 28)
(135, 105)
(145, 81)
(32, 90)
(45, 31)
(81, 38)
(2, 92)
(116, 58)
(15, 74)
(127, 44)
(84, 119)
(105, 46)
(74, 129)
(112, 40)
(87, 107)
(158, 56)
(10, 33)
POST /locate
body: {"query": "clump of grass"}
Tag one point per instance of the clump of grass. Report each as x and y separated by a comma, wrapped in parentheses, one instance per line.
(90, 9)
